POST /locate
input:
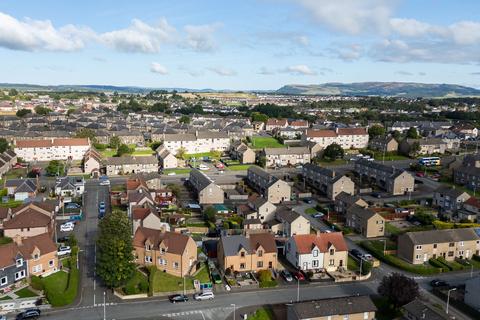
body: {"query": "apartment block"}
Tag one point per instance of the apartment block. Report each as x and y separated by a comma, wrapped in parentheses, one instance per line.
(131, 164)
(347, 138)
(365, 221)
(198, 142)
(284, 157)
(52, 149)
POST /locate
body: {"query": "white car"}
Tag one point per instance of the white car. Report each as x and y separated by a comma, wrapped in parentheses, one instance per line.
(66, 227)
(206, 295)
(62, 251)
(171, 174)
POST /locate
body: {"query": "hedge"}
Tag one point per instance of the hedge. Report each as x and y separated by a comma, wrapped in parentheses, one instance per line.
(36, 283)
(452, 265)
(476, 257)
(397, 262)
(437, 264)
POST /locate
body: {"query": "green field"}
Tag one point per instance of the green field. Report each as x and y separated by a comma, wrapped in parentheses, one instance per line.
(146, 152)
(265, 142)
(239, 167)
(200, 155)
(177, 171)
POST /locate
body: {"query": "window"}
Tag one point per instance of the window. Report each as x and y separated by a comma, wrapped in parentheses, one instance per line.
(451, 244)
(434, 246)
(315, 253)
(162, 250)
(36, 256)
(147, 247)
(3, 281)
(51, 263)
(37, 268)
(242, 265)
(260, 253)
(331, 262)
(461, 243)
(175, 265)
(315, 263)
(365, 316)
(259, 264)
(450, 253)
(332, 252)
(418, 247)
(345, 317)
(19, 275)
(19, 262)
(148, 259)
(242, 254)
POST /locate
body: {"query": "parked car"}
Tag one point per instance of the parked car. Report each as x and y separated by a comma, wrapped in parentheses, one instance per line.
(205, 295)
(102, 205)
(216, 277)
(318, 215)
(62, 240)
(104, 181)
(356, 253)
(29, 314)
(308, 200)
(376, 194)
(287, 276)
(438, 283)
(420, 174)
(367, 257)
(67, 227)
(299, 275)
(178, 298)
(72, 205)
(64, 250)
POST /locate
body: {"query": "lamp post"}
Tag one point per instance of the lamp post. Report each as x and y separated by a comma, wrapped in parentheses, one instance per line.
(298, 289)
(448, 298)
(104, 309)
(233, 305)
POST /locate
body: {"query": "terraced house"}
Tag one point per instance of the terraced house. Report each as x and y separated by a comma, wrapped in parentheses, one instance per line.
(52, 149)
(270, 187)
(419, 247)
(131, 164)
(327, 181)
(198, 142)
(208, 192)
(283, 157)
(253, 252)
(171, 252)
(347, 138)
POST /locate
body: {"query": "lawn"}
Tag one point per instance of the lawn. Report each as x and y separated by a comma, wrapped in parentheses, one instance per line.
(391, 229)
(265, 142)
(65, 262)
(311, 211)
(5, 240)
(55, 285)
(5, 298)
(202, 275)
(177, 171)
(262, 314)
(352, 264)
(239, 167)
(145, 152)
(25, 293)
(137, 284)
(388, 157)
(16, 173)
(164, 282)
(108, 153)
(200, 155)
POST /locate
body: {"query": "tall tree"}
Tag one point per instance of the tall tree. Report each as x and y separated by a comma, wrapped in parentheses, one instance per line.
(115, 142)
(398, 289)
(333, 151)
(181, 152)
(115, 249)
(42, 110)
(184, 119)
(3, 145)
(23, 112)
(123, 149)
(412, 133)
(55, 168)
(87, 133)
(376, 131)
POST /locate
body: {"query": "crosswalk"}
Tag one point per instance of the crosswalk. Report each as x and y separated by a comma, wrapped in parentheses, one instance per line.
(197, 314)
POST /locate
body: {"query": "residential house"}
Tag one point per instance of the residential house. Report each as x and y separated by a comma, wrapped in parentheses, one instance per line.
(418, 247)
(288, 223)
(427, 146)
(327, 181)
(22, 189)
(13, 266)
(298, 124)
(198, 142)
(418, 310)
(394, 181)
(384, 144)
(317, 252)
(271, 188)
(241, 152)
(131, 164)
(148, 217)
(52, 149)
(339, 308)
(347, 138)
(344, 200)
(468, 174)
(449, 199)
(29, 220)
(7, 160)
(173, 253)
(282, 157)
(166, 158)
(40, 254)
(275, 123)
(70, 186)
(471, 210)
(208, 192)
(365, 221)
(92, 162)
(129, 137)
(288, 133)
(253, 252)
(262, 209)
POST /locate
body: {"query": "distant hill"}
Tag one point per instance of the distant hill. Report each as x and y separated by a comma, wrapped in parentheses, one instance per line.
(393, 89)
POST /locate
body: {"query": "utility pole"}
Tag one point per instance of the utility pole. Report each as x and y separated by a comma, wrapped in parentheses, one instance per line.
(233, 305)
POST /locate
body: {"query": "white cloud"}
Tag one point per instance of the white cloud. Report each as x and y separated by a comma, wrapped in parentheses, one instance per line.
(404, 73)
(200, 37)
(139, 37)
(225, 72)
(299, 69)
(303, 40)
(40, 35)
(266, 71)
(410, 27)
(156, 67)
(351, 16)
(465, 32)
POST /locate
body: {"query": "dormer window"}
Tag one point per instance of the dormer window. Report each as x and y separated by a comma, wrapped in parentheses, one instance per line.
(163, 250)
(148, 247)
(315, 253)
(260, 253)
(332, 252)
(36, 256)
(19, 262)
(242, 254)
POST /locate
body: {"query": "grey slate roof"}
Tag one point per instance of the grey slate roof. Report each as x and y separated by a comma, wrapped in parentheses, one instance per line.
(125, 160)
(448, 191)
(422, 311)
(333, 306)
(290, 150)
(442, 236)
(232, 244)
(287, 215)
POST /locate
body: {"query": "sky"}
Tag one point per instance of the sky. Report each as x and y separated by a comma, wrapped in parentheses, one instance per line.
(239, 45)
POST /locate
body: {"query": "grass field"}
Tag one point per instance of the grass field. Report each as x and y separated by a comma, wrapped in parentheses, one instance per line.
(262, 314)
(108, 153)
(200, 155)
(177, 171)
(239, 167)
(164, 282)
(265, 142)
(145, 152)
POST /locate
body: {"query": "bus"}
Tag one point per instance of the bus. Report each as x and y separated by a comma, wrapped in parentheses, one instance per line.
(429, 161)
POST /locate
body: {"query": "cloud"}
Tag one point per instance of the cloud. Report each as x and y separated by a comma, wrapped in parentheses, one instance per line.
(302, 40)
(404, 73)
(200, 37)
(299, 69)
(224, 72)
(421, 73)
(347, 53)
(351, 16)
(139, 37)
(40, 35)
(475, 73)
(266, 71)
(156, 67)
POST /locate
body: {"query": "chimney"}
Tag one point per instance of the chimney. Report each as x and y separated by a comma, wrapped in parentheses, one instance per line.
(18, 240)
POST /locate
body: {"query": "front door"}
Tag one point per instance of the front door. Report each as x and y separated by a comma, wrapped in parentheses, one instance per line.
(305, 266)
(467, 254)
(425, 257)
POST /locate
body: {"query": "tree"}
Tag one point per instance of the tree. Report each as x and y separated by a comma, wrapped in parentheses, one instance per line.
(70, 111)
(209, 214)
(216, 154)
(115, 142)
(376, 131)
(181, 153)
(333, 151)
(87, 133)
(42, 110)
(175, 188)
(398, 289)
(13, 92)
(415, 148)
(123, 149)
(184, 119)
(3, 145)
(396, 134)
(115, 258)
(159, 107)
(412, 133)
(155, 144)
(262, 161)
(23, 112)
(55, 168)
(257, 116)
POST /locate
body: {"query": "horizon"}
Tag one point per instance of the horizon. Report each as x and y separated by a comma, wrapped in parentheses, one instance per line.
(253, 45)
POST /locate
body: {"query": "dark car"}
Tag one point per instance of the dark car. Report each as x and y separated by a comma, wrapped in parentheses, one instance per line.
(177, 298)
(356, 253)
(308, 200)
(376, 195)
(29, 314)
(287, 276)
(63, 239)
(438, 283)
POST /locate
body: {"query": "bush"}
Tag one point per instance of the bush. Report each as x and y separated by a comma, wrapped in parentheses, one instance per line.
(476, 257)
(36, 283)
(437, 264)
(366, 267)
(264, 275)
(268, 284)
(151, 278)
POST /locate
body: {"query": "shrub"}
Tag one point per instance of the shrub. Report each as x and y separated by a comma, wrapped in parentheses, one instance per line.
(366, 267)
(36, 283)
(151, 278)
(264, 275)
(143, 286)
(437, 264)
(476, 257)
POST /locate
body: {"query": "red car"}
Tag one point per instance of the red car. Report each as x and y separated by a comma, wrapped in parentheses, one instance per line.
(420, 174)
(299, 275)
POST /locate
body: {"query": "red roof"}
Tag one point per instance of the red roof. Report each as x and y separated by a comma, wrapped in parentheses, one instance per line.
(277, 122)
(474, 202)
(140, 213)
(323, 241)
(352, 131)
(319, 133)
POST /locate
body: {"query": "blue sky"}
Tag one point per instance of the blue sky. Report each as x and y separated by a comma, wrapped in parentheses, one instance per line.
(248, 44)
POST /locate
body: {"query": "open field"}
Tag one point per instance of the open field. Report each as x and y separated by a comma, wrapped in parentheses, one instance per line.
(265, 142)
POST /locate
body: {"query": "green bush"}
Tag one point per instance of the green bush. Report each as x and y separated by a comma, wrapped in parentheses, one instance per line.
(452, 265)
(151, 278)
(476, 257)
(36, 283)
(366, 267)
(264, 275)
(399, 263)
(437, 264)
(268, 284)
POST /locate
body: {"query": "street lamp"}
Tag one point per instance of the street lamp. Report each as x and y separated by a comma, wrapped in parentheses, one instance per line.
(233, 305)
(448, 298)
(298, 289)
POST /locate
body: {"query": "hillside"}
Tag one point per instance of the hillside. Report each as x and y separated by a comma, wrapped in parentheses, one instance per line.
(394, 89)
